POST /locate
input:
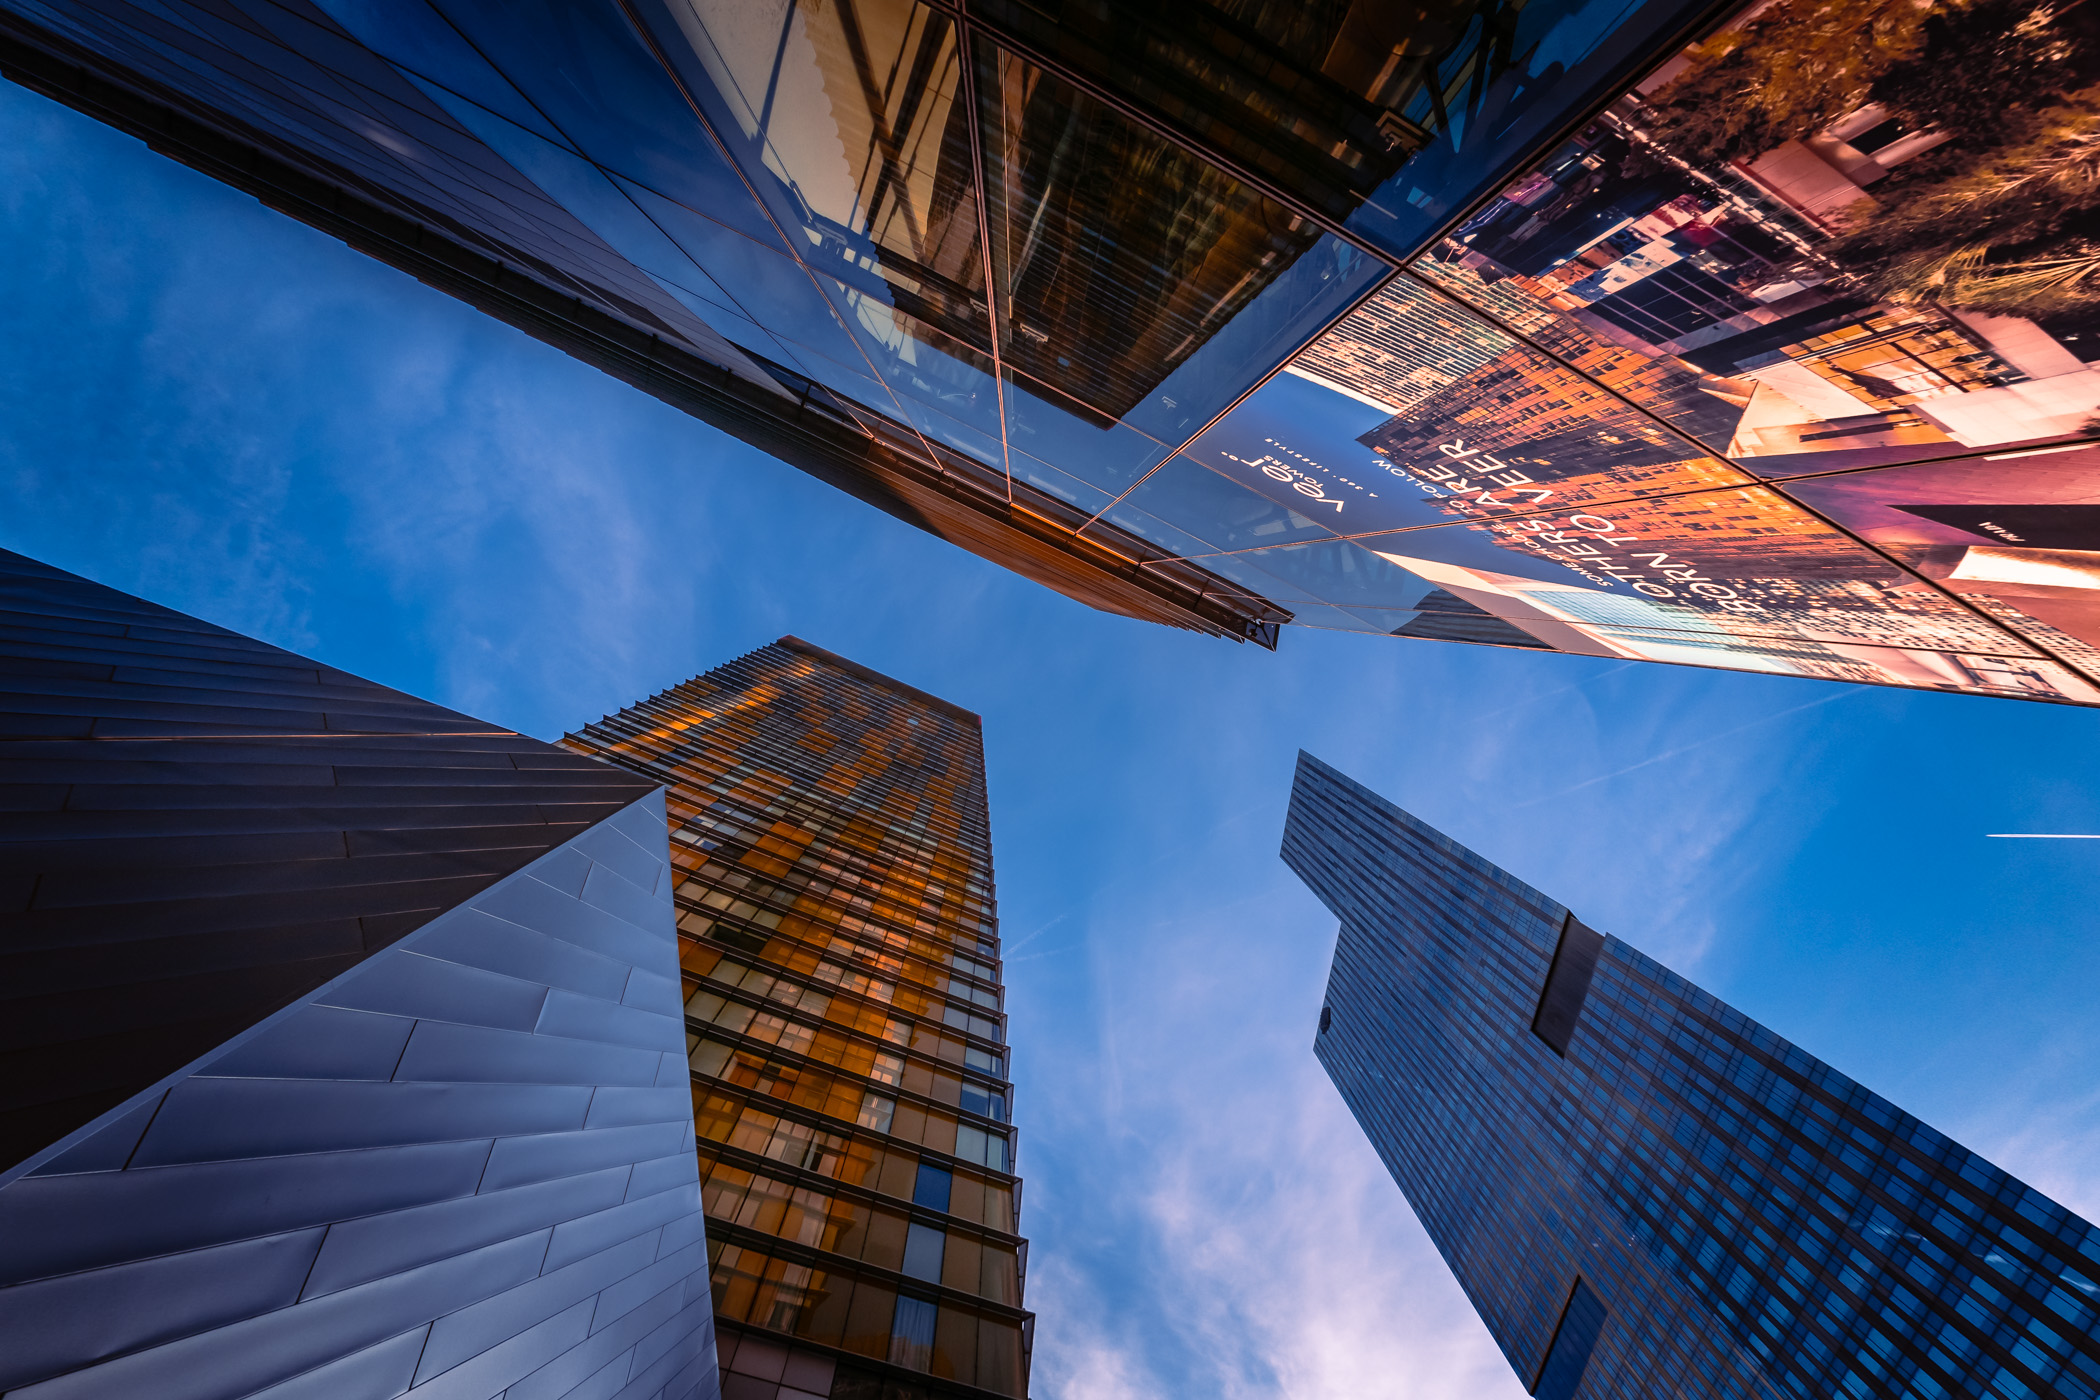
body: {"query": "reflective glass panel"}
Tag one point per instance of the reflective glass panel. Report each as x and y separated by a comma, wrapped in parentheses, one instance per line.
(2015, 535)
(1872, 260)
(1119, 255)
(1471, 89)
(1738, 578)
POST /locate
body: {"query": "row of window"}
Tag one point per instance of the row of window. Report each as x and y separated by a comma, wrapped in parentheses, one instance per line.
(888, 1239)
(872, 1019)
(818, 872)
(832, 1048)
(734, 777)
(759, 809)
(868, 1317)
(887, 956)
(943, 937)
(840, 1095)
(857, 1159)
(800, 977)
(937, 948)
(767, 900)
(945, 879)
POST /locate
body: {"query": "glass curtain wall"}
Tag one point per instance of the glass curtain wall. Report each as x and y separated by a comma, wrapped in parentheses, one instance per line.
(1748, 337)
(838, 931)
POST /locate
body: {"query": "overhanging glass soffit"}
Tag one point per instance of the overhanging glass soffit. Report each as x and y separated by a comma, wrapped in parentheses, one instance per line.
(1536, 325)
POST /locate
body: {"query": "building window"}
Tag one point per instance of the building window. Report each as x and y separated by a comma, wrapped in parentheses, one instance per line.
(985, 1149)
(911, 1334)
(981, 1059)
(876, 1112)
(976, 1098)
(924, 1247)
(933, 1188)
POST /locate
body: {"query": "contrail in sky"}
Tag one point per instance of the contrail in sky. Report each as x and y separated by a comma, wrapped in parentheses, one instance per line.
(2043, 835)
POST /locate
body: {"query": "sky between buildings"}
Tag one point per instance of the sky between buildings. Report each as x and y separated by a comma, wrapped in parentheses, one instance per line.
(226, 412)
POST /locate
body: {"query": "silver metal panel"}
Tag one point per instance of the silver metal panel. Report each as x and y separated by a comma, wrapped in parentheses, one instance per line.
(447, 1173)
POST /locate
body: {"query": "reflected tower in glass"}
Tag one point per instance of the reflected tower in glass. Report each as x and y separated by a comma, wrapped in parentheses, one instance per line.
(1504, 321)
(1645, 1193)
(839, 937)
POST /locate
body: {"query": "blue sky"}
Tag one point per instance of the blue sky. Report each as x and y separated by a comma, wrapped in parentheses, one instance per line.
(217, 408)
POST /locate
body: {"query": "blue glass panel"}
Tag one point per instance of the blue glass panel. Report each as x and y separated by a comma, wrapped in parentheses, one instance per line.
(1339, 572)
(1514, 79)
(1093, 448)
(911, 1333)
(1062, 485)
(932, 1187)
(1324, 281)
(582, 189)
(1220, 512)
(924, 1247)
(1296, 442)
(416, 37)
(587, 70)
(772, 289)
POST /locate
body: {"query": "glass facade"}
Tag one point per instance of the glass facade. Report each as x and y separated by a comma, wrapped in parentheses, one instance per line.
(1644, 1192)
(839, 936)
(1748, 339)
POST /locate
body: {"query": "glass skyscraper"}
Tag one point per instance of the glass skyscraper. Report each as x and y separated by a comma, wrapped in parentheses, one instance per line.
(838, 932)
(1645, 1193)
(1515, 322)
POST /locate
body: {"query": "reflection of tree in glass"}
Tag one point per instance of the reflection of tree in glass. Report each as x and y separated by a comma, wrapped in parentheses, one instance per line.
(2024, 214)
(1998, 218)
(1796, 68)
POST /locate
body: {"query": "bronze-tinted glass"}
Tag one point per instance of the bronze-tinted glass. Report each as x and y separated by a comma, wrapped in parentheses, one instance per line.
(846, 1040)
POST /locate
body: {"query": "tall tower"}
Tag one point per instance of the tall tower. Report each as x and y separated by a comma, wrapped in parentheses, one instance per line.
(839, 940)
(1645, 1193)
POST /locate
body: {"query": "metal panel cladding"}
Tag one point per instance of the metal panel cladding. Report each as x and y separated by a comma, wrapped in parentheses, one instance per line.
(850, 1075)
(1685, 1205)
(345, 1048)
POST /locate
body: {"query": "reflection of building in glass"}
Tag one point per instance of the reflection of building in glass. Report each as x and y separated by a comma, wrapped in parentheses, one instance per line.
(1732, 267)
(1119, 254)
(840, 946)
(1401, 346)
(1632, 1180)
(1844, 631)
(991, 267)
(336, 1023)
(1543, 427)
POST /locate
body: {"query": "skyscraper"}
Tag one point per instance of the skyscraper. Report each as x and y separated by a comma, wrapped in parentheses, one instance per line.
(1644, 1192)
(1028, 276)
(838, 932)
(341, 1034)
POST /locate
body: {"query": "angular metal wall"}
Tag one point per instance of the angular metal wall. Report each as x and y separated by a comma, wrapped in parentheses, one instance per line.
(464, 1168)
(197, 828)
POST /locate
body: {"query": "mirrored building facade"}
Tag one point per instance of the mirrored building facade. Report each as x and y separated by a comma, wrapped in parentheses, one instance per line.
(838, 934)
(1645, 1193)
(1739, 337)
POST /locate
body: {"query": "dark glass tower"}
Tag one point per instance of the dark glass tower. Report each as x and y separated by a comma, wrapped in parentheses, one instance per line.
(340, 1033)
(1645, 1193)
(839, 937)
